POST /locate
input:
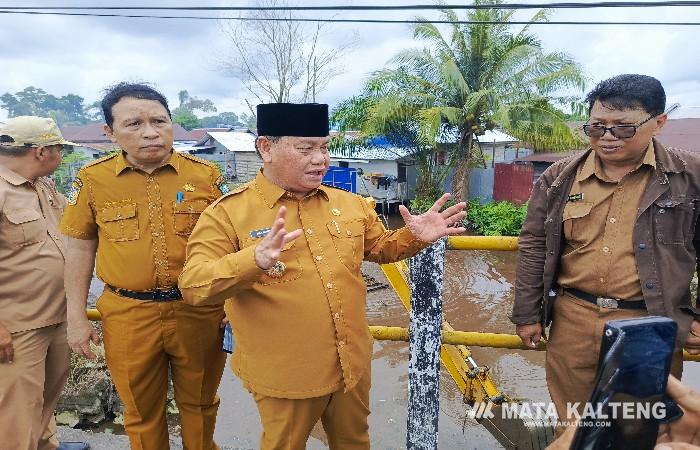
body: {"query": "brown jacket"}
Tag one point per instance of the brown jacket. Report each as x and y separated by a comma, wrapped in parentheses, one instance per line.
(666, 239)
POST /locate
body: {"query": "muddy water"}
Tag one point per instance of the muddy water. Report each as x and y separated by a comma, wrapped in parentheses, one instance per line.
(478, 296)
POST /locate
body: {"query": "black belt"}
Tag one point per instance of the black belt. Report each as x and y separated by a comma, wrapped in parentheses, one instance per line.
(156, 295)
(603, 302)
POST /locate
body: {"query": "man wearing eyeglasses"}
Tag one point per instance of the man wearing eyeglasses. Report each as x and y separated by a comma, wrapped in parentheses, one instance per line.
(34, 352)
(611, 233)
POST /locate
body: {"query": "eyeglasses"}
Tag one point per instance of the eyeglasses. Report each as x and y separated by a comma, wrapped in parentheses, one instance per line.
(618, 131)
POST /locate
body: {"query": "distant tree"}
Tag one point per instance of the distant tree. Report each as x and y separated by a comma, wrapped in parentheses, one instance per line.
(67, 110)
(187, 119)
(225, 118)
(478, 76)
(278, 59)
(249, 120)
(66, 171)
(190, 104)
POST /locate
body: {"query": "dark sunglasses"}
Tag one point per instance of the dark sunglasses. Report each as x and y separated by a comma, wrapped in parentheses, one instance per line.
(618, 131)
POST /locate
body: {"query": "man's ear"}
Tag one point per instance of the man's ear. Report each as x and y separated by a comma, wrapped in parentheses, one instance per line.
(264, 146)
(660, 122)
(109, 132)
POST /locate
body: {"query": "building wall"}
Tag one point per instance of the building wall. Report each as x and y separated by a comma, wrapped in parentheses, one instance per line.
(247, 166)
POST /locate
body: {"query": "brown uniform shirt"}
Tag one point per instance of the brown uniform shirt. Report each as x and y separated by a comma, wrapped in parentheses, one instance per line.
(141, 226)
(598, 256)
(303, 334)
(32, 253)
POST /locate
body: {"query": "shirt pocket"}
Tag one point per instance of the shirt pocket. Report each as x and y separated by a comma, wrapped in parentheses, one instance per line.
(575, 218)
(348, 239)
(186, 214)
(674, 218)
(119, 221)
(25, 227)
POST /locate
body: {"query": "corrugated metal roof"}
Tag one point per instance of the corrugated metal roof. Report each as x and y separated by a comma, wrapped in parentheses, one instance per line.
(235, 141)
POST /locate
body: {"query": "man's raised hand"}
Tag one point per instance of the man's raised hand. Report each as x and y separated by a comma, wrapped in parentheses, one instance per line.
(268, 251)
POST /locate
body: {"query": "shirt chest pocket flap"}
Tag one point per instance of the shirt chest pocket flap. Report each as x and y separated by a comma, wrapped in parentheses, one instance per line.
(674, 218)
(348, 238)
(186, 214)
(574, 218)
(25, 227)
(119, 221)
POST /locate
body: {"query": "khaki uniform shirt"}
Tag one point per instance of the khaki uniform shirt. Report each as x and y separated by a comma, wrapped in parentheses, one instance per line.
(32, 253)
(141, 226)
(303, 334)
(599, 256)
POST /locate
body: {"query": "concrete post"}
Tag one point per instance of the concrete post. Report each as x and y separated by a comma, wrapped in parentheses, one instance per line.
(427, 269)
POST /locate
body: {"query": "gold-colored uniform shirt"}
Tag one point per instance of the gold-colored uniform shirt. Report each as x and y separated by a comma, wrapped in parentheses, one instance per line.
(302, 334)
(142, 221)
(599, 220)
(32, 253)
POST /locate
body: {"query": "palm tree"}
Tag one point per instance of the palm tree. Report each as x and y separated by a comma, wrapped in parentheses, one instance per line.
(479, 77)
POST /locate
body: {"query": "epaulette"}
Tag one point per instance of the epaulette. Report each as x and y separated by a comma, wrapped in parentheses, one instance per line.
(101, 160)
(197, 159)
(236, 190)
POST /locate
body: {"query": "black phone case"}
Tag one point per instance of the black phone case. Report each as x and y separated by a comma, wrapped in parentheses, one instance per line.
(635, 360)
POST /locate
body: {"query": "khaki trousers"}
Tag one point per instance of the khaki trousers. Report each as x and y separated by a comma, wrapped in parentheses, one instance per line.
(142, 340)
(573, 349)
(30, 388)
(287, 423)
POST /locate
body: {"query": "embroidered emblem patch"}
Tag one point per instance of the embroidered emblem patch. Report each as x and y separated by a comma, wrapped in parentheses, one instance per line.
(222, 185)
(74, 191)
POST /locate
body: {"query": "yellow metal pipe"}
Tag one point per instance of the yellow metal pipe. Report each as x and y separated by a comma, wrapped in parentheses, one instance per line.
(505, 243)
(473, 339)
(469, 338)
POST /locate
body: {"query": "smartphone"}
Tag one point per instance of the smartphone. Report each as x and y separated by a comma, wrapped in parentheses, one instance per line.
(629, 399)
(227, 340)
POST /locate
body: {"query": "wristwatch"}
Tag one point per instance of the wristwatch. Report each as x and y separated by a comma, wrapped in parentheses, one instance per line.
(276, 270)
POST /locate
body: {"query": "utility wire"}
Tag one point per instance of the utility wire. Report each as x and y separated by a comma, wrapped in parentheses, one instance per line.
(546, 5)
(375, 21)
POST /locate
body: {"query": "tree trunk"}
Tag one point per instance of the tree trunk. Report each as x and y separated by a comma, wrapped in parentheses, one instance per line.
(460, 180)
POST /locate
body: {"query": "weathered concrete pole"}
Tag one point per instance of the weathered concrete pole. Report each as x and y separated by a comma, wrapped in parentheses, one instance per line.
(427, 269)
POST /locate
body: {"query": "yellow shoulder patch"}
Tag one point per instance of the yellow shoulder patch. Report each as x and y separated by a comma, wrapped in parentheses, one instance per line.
(234, 191)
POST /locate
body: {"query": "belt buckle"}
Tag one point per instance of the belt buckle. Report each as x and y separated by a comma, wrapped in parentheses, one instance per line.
(609, 303)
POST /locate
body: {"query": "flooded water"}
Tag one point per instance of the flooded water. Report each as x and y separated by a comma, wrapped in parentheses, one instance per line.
(478, 296)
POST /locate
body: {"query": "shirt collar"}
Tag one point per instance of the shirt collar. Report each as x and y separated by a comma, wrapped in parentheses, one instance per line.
(271, 193)
(591, 166)
(12, 177)
(123, 164)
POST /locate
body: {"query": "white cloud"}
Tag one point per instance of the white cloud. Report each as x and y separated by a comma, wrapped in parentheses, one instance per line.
(83, 55)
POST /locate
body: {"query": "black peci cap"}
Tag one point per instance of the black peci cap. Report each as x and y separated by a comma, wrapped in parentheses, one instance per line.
(293, 119)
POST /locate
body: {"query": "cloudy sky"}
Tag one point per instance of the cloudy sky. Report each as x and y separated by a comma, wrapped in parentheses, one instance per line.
(82, 55)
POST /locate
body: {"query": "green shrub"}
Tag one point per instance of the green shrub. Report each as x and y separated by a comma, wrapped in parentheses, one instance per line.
(496, 218)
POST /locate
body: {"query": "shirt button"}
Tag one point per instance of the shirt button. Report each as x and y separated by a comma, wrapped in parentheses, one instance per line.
(606, 249)
(613, 220)
(650, 285)
(349, 233)
(642, 246)
(662, 211)
(341, 343)
(319, 258)
(309, 231)
(602, 280)
(336, 316)
(329, 285)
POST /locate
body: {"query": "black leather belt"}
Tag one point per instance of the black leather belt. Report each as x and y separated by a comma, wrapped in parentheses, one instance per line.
(156, 295)
(603, 302)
